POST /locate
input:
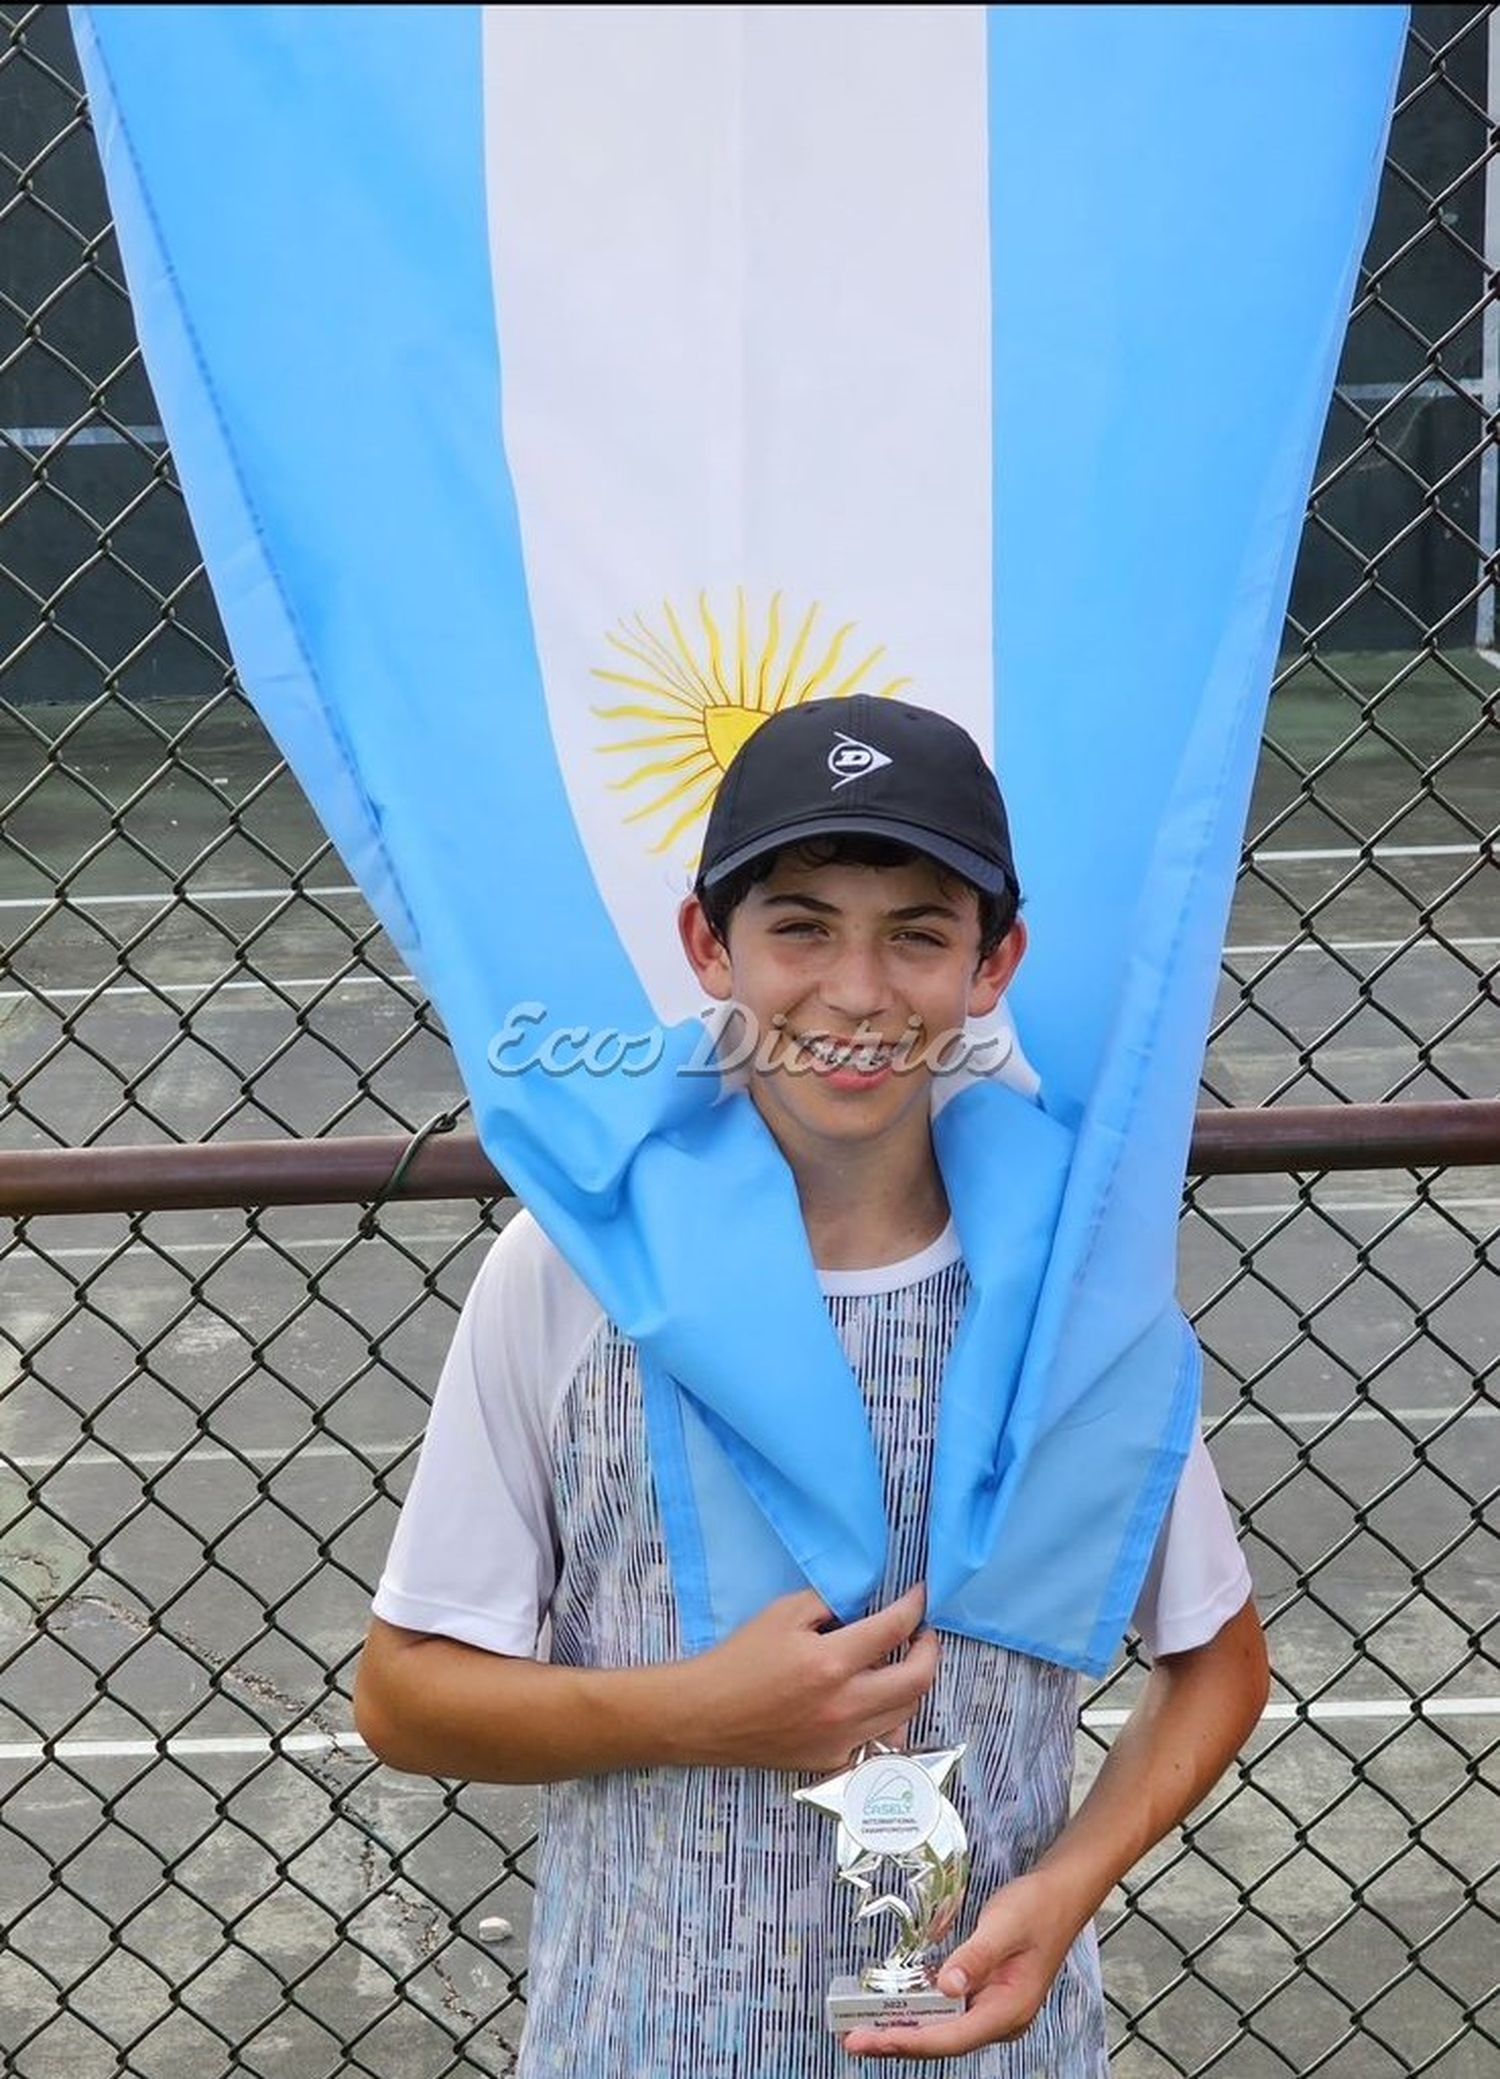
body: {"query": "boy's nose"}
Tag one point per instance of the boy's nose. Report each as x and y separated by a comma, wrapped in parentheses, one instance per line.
(855, 987)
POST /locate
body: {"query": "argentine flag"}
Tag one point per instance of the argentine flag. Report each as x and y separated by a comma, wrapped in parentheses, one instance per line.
(559, 391)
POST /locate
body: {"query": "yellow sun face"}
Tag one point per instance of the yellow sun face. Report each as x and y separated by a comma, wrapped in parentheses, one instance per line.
(701, 697)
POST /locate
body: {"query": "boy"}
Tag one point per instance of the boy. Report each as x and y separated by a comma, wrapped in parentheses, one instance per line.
(857, 900)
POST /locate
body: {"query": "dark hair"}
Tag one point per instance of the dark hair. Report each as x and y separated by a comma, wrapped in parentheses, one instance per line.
(997, 913)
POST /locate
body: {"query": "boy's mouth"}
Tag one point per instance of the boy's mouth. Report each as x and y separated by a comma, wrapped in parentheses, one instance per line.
(832, 1055)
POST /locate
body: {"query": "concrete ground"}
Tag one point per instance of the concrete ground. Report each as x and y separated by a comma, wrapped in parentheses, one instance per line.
(206, 1422)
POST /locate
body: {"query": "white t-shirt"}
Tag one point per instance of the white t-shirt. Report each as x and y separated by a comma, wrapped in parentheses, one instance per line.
(474, 1553)
(687, 1920)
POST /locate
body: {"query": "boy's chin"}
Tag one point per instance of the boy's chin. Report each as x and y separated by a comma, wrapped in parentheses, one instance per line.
(842, 1105)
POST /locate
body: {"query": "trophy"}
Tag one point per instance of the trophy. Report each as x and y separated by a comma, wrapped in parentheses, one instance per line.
(891, 1809)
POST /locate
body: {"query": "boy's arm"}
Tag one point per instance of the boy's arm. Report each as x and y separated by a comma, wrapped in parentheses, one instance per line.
(446, 1686)
(1196, 1712)
(782, 1692)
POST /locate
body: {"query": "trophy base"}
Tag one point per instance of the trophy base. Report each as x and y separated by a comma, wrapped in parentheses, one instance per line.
(853, 2005)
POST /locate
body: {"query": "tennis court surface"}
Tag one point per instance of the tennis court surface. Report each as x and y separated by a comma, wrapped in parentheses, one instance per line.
(208, 1419)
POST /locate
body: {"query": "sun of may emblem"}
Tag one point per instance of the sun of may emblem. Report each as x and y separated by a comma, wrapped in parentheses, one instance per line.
(699, 692)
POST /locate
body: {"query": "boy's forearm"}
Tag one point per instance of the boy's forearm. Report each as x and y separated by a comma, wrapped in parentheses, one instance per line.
(787, 1690)
(1195, 1714)
(432, 1706)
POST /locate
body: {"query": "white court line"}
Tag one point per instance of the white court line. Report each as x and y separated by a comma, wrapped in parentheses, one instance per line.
(1362, 945)
(253, 984)
(1299, 857)
(164, 898)
(82, 436)
(350, 1742)
(206, 987)
(1351, 1708)
(95, 1460)
(140, 1461)
(1382, 393)
(87, 1252)
(130, 1750)
(1269, 855)
(84, 1251)
(1315, 1418)
(1265, 1208)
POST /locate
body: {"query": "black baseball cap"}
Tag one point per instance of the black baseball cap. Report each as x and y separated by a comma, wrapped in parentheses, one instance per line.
(879, 768)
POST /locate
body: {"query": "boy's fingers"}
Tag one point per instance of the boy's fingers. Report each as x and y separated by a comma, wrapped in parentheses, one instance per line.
(874, 1638)
(918, 1677)
(914, 1674)
(806, 1610)
(891, 1694)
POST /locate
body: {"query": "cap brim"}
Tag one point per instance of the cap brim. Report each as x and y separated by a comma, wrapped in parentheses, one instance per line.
(987, 874)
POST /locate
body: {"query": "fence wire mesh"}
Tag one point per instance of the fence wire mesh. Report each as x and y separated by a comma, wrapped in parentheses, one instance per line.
(207, 1421)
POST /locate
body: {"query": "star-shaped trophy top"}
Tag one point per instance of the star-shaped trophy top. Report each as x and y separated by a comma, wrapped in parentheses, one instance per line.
(887, 1802)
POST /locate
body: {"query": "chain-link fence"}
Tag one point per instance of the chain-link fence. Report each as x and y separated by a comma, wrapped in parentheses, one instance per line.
(206, 1420)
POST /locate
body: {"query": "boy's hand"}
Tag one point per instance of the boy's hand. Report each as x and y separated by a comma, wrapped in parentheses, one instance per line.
(785, 1692)
(1197, 1711)
(1007, 1967)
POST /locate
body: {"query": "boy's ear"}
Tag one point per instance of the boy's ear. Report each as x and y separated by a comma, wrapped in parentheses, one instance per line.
(707, 955)
(993, 974)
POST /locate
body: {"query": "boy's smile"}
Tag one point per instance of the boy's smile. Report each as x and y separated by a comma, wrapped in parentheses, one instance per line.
(853, 976)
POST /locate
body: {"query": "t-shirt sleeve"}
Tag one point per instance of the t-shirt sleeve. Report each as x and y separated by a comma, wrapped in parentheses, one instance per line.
(1198, 1578)
(474, 1556)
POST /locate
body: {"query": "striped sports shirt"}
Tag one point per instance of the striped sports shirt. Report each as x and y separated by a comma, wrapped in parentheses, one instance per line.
(688, 1920)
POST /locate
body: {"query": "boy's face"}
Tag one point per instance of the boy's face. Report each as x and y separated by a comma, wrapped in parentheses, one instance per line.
(852, 976)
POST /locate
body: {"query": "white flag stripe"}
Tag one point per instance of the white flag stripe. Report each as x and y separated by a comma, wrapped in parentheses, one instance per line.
(742, 291)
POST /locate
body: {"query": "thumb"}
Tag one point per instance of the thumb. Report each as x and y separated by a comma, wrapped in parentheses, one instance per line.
(998, 1936)
(870, 1640)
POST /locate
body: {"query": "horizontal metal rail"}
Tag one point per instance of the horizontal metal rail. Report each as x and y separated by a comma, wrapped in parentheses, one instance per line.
(364, 1169)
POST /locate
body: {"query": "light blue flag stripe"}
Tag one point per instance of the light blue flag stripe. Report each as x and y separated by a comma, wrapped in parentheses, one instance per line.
(1166, 337)
(333, 404)
(344, 451)
(308, 256)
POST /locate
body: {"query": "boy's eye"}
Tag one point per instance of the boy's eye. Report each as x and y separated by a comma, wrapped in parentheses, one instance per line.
(912, 936)
(798, 927)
